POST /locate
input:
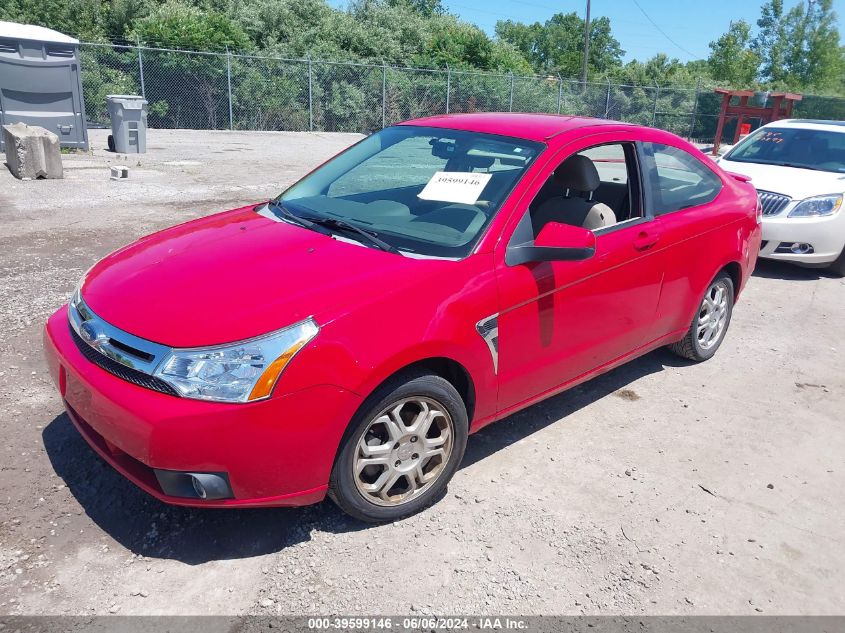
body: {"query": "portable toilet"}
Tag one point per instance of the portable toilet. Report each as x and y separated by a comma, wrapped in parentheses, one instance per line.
(40, 82)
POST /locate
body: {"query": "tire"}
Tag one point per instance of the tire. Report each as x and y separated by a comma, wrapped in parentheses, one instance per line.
(702, 341)
(838, 265)
(413, 430)
(110, 142)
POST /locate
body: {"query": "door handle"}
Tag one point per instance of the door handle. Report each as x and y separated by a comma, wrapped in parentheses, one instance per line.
(645, 240)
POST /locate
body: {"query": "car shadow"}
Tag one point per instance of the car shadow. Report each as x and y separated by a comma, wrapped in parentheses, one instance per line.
(774, 269)
(148, 527)
(522, 424)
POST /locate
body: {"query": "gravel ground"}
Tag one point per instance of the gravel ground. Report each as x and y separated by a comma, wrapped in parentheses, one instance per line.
(659, 488)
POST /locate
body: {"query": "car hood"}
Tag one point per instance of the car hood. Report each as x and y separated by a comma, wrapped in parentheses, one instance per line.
(236, 275)
(791, 181)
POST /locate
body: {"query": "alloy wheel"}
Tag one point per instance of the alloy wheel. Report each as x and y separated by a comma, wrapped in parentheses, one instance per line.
(403, 451)
(713, 314)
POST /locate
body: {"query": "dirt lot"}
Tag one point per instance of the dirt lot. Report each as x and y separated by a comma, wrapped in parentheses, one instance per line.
(662, 487)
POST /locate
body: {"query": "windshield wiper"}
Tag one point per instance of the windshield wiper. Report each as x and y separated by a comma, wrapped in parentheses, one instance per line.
(337, 223)
(317, 224)
(287, 214)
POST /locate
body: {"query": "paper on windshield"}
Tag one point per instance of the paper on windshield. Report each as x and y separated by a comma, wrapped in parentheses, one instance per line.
(455, 186)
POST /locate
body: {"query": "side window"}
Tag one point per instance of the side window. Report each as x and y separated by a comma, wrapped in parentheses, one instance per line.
(677, 180)
(596, 188)
(609, 161)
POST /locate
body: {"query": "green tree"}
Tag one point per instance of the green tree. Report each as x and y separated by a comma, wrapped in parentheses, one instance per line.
(369, 31)
(799, 48)
(178, 25)
(187, 90)
(426, 8)
(823, 58)
(660, 70)
(461, 45)
(84, 19)
(556, 46)
(771, 43)
(121, 15)
(732, 59)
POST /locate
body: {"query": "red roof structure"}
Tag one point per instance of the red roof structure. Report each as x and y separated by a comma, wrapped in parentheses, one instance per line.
(778, 106)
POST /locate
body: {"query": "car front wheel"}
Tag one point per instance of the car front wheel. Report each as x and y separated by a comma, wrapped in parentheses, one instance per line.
(711, 322)
(401, 449)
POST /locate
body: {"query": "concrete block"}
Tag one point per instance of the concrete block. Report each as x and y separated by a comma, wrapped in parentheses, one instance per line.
(32, 152)
(119, 172)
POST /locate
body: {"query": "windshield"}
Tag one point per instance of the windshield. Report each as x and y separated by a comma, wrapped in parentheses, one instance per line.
(823, 150)
(425, 191)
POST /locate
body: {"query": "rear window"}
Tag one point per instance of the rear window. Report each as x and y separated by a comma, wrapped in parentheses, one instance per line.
(677, 180)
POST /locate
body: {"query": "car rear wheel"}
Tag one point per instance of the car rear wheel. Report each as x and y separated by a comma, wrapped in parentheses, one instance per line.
(711, 322)
(401, 449)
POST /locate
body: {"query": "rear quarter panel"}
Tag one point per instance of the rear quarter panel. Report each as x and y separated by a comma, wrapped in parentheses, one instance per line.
(698, 243)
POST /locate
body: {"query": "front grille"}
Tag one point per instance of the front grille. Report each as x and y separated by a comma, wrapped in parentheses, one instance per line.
(773, 203)
(121, 371)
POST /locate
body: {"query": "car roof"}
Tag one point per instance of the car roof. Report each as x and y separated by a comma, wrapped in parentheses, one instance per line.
(525, 125)
(810, 124)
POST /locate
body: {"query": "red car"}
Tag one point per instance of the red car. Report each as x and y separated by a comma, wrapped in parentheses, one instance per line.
(346, 337)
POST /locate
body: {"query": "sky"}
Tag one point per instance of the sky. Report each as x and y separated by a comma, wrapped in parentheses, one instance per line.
(688, 26)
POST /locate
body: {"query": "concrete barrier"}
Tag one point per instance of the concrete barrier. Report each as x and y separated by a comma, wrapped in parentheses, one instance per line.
(32, 152)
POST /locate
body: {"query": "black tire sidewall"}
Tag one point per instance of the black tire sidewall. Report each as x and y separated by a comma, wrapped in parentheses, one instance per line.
(342, 485)
(705, 354)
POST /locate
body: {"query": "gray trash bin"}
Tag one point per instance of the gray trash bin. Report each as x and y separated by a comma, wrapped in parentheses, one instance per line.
(128, 124)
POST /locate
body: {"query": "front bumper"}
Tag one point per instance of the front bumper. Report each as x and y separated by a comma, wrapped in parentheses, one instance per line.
(826, 235)
(278, 451)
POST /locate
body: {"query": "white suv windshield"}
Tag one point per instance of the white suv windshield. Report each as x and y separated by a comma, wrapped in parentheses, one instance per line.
(822, 150)
(422, 190)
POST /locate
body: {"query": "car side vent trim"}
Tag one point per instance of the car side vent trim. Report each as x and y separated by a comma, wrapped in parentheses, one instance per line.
(488, 329)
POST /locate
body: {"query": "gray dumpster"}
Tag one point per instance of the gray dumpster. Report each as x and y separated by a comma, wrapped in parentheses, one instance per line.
(128, 124)
(40, 83)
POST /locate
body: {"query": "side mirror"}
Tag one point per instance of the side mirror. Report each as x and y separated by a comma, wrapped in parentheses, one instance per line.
(556, 242)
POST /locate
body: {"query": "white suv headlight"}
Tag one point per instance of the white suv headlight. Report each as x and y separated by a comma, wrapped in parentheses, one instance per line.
(817, 206)
(236, 372)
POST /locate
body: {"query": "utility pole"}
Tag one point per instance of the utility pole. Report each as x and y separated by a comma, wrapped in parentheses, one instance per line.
(586, 46)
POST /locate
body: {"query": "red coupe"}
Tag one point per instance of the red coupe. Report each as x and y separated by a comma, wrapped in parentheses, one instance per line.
(345, 337)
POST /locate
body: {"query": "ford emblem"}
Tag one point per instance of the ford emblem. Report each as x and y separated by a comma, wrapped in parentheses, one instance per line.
(89, 333)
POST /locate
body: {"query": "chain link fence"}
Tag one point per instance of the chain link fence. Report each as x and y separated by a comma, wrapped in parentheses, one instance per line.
(211, 91)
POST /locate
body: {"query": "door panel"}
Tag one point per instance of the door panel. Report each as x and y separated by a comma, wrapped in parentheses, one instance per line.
(563, 319)
(697, 230)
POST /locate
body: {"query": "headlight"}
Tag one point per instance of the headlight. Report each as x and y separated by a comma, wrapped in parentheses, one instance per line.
(817, 206)
(236, 372)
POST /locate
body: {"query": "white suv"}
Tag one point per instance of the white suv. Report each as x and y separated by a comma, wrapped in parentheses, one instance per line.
(798, 168)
